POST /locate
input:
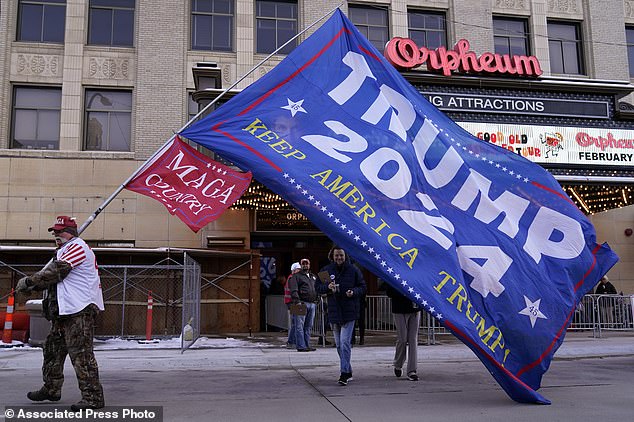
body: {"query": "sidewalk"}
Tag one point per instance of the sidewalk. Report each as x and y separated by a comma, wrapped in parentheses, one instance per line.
(257, 379)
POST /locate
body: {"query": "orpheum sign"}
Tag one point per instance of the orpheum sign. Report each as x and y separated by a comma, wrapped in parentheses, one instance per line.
(403, 53)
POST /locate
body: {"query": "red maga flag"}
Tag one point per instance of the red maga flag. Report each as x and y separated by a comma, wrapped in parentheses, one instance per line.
(191, 185)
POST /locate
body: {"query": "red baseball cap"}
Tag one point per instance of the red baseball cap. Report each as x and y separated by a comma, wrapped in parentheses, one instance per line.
(63, 222)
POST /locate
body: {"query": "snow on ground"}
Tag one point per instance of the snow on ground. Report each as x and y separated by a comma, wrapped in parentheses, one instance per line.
(175, 343)
(166, 343)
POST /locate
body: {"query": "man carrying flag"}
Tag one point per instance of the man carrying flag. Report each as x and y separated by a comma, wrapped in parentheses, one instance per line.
(482, 239)
(73, 301)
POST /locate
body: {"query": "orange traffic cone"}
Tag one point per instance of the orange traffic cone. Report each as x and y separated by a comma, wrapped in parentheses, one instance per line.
(7, 334)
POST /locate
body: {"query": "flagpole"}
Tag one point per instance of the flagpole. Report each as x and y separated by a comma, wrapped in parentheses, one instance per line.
(148, 162)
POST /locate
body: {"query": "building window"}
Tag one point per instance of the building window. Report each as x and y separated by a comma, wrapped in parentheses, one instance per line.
(276, 23)
(192, 106)
(565, 46)
(427, 29)
(629, 37)
(111, 22)
(41, 20)
(108, 120)
(372, 22)
(511, 36)
(212, 25)
(192, 110)
(36, 117)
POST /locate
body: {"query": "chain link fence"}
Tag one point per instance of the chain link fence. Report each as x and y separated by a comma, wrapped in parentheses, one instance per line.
(126, 289)
(191, 302)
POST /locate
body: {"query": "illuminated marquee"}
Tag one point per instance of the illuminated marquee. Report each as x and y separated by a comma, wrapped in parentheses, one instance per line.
(403, 53)
(560, 144)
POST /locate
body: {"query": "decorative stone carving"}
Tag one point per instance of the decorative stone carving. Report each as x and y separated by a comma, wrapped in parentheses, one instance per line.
(109, 68)
(38, 64)
(511, 4)
(570, 7)
(625, 110)
(628, 9)
(626, 106)
(227, 77)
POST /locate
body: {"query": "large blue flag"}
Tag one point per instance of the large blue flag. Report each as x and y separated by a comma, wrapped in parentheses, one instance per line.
(482, 239)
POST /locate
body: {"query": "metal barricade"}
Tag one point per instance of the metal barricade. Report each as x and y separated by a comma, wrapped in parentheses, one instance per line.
(614, 313)
(319, 324)
(584, 317)
(379, 318)
(277, 315)
(191, 303)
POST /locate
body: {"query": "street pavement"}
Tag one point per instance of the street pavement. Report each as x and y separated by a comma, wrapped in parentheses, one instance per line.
(257, 379)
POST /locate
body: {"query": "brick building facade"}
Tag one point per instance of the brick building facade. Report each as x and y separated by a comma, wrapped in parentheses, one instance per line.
(153, 75)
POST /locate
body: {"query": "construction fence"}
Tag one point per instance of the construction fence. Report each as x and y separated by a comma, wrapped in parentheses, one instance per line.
(220, 299)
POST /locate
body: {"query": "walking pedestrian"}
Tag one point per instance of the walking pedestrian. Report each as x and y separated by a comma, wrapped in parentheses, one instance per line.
(407, 320)
(73, 300)
(344, 286)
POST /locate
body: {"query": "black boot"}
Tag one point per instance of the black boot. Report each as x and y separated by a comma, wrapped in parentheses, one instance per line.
(83, 404)
(41, 395)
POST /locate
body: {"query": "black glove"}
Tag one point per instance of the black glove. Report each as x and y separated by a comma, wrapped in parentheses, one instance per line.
(24, 285)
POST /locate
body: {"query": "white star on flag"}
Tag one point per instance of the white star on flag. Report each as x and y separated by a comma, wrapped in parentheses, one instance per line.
(532, 310)
(294, 106)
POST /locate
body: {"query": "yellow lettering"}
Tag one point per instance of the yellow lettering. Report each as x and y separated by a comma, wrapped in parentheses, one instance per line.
(296, 153)
(364, 210)
(444, 281)
(457, 294)
(507, 352)
(381, 227)
(353, 193)
(269, 135)
(280, 146)
(324, 175)
(412, 254)
(488, 332)
(476, 314)
(337, 188)
(392, 236)
(499, 342)
(255, 125)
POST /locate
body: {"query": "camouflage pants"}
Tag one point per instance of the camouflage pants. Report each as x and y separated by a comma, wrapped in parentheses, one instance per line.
(73, 336)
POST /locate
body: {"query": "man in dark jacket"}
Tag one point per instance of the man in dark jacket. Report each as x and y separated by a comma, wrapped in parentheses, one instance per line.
(344, 287)
(302, 287)
(607, 316)
(407, 319)
(605, 287)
